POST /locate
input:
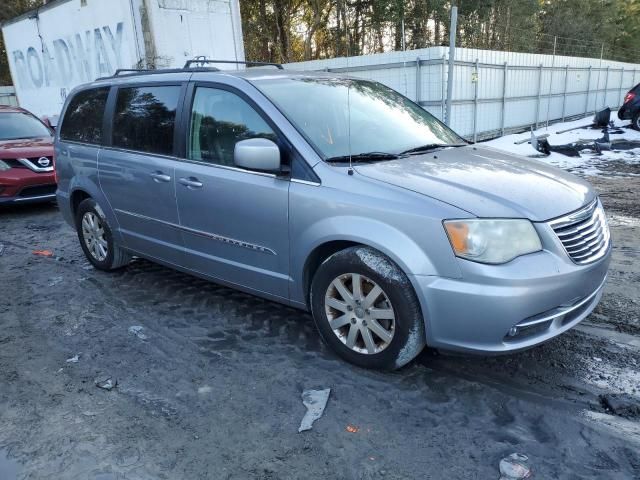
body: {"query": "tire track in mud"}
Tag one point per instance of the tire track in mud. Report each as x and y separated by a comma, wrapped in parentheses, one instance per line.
(228, 368)
(222, 322)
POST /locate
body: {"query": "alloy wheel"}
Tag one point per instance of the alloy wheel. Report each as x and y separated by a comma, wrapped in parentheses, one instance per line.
(94, 236)
(360, 313)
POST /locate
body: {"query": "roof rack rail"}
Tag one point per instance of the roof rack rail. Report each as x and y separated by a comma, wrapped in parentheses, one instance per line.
(236, 62)
(128, 70)
(145, 71)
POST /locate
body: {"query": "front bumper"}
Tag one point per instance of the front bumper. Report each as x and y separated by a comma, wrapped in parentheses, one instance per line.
(497, 309)
(21, 185)
(626, 112)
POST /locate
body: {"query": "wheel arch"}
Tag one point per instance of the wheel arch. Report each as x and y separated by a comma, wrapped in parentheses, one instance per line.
(317, 256)
(329, 236)
(76, 198)
(83, 187)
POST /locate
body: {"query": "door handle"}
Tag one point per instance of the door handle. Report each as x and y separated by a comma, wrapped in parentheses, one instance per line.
(191, 182)
(160, 177)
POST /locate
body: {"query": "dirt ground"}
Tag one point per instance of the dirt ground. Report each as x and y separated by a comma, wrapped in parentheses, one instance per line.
(213, 391)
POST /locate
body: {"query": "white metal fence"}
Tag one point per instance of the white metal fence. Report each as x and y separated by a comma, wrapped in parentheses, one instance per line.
(8, 96)
(494, 92)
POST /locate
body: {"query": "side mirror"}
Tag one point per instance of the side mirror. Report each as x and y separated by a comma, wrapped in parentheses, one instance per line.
(257, 154)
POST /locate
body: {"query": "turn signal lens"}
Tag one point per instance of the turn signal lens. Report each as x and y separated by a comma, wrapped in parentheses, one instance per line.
(492, 241)
(458, 235)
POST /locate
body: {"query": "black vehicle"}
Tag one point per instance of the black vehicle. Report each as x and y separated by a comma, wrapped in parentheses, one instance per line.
(630, 109)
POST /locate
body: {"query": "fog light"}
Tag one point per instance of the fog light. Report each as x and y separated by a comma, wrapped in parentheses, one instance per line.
(513, 331)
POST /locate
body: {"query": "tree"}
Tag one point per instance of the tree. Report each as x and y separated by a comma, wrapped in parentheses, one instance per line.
(11, 9)
(331, 28)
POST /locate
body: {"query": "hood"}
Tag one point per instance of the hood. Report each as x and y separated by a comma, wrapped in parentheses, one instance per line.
(486, 182)
(28, 147)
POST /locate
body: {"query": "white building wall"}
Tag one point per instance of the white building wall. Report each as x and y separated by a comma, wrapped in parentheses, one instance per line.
(185, 29)
(69, 42)
(54, 49)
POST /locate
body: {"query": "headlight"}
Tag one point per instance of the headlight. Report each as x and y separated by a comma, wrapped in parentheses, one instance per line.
(492, 240)
(4, 166)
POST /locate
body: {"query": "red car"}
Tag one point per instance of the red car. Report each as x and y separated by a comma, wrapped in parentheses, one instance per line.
(26, 158)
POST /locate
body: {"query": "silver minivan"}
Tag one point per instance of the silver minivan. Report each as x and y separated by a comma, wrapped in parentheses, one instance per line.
(334, 195)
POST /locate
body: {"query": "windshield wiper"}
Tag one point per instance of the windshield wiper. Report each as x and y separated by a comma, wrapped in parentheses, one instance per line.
(364, 157)
(431, 146)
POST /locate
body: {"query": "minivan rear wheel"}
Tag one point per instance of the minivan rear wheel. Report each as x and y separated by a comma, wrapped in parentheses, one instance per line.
(96, 238)
(366, 310)
(635, 123)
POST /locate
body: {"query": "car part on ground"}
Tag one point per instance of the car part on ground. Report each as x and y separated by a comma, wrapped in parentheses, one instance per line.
(573, 149)
(600, 120)
(315, 402)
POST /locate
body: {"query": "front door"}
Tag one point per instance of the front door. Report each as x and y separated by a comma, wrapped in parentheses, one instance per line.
(234, 221)
(137, 171)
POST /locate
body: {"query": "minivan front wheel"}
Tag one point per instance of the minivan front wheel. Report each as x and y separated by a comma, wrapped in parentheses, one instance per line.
(96, 238)
(365, 309)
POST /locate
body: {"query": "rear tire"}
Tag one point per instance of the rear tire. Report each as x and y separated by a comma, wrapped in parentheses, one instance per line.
(366, 310)
(635, 123)
(96, 238)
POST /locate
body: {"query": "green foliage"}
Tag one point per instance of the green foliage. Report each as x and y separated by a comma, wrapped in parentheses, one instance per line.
(330, 28)
(11, 9)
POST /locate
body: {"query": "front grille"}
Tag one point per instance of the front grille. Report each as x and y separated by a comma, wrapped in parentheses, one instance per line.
(38, 191)
(584, 233)
(34, 163)
(13, 163)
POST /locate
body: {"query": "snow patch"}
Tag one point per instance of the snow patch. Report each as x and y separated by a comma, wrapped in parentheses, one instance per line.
(380, 264)
(387, 269)
(414, 344)
(615, 162)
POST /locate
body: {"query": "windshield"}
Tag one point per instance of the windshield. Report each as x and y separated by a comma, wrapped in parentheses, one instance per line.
(342, 117)
(16, 125)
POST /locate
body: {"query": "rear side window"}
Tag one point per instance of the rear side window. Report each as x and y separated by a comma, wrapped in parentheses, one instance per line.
(145, 118)
(83, 119)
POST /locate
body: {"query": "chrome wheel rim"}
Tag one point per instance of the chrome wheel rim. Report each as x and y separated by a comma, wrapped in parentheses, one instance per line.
(94, 236)
(360, 313)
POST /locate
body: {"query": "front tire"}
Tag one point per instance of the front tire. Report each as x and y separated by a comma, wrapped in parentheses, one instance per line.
(96, 238)
(366, 310)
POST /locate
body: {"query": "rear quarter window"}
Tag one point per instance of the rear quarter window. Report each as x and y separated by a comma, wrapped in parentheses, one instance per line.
(144, 118)
(82, 121)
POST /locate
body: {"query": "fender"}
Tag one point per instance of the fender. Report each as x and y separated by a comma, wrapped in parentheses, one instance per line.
(88, 185)
(399, 247)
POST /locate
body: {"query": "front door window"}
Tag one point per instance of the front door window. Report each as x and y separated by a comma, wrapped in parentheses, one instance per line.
(220, 119)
